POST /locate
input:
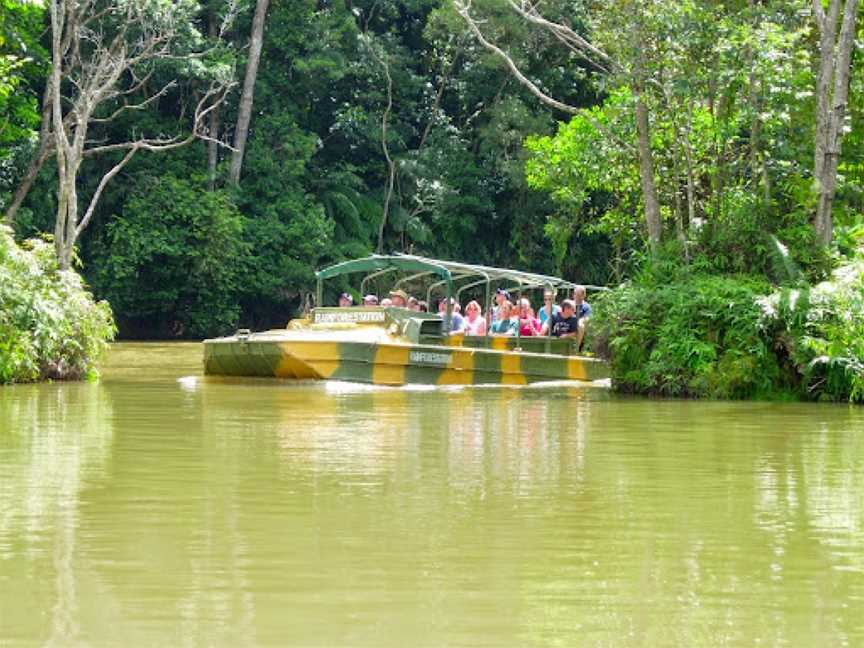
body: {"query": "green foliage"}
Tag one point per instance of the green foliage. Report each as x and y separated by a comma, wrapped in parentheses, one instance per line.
(50, 325)
(696, 336)
(671, 333)
(819, 331)
(171, 262)
(22, 60)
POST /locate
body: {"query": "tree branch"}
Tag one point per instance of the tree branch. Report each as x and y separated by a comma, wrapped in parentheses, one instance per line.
(138, 106)
(104, 181)
(463, 10)
(576, 43)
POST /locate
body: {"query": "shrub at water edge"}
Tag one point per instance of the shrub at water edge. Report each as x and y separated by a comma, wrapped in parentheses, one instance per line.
(50, 325)
(819, 332)
(736, 337)
(700, 336)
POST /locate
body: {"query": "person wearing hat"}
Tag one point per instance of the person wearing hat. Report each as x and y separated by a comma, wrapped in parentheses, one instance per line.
(399, 298)
(370, 300)
(345, 300)
(501, 296)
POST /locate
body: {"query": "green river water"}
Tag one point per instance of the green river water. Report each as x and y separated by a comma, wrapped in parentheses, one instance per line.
(159, 508)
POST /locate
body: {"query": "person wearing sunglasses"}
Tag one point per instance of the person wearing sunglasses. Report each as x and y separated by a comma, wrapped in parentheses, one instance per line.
(549, 307)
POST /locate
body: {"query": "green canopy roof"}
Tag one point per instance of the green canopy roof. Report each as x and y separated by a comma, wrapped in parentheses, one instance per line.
(379, 262)
(446, 270)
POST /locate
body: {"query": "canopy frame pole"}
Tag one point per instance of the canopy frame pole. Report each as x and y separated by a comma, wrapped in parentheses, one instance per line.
(429, 293)
(365, 281)
(488, 306)
(518, 321)
(547, 347)
(405, 280)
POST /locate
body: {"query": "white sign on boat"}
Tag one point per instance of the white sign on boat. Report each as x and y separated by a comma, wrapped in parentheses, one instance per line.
(426, 357)
(344, 317)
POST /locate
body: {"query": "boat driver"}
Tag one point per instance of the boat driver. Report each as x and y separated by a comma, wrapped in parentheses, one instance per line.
(399, 298)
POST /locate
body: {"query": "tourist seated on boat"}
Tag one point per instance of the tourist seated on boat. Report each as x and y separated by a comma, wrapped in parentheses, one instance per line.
(549, 307)
(528, 324)
(370, 300)
(583, 312)
(399, 298)
(504, 324)
(413, 304)
(422, 306)
(501, 296)
(386, 302)
(457, 322)
(345, 300)
(475, 323)
(564, 324)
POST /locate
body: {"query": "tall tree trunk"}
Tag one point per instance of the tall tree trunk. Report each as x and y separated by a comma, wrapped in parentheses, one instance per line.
(36, 163)
(688, 158)
(646, 173)
(46, 147)
(213, 128)
(676, 194)
(244, 113)
(831, 106)
(65, 192)
(391, 164)
(213, 149)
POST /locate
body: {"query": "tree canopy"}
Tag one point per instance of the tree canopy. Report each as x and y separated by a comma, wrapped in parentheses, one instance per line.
(389, 125)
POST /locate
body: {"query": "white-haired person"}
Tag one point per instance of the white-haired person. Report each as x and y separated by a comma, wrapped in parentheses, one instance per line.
(475, 323)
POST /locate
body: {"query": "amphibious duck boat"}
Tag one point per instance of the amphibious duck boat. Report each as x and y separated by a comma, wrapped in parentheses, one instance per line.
(397, 346)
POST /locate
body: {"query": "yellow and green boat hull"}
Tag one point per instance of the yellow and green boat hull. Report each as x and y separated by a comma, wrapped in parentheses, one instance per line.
(380, 360)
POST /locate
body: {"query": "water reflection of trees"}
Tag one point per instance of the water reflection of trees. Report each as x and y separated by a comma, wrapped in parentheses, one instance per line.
(348, 515)
(54, 439)
(576, 513)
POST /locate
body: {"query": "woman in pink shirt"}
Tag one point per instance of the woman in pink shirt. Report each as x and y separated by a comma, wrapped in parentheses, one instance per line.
(528, 324)
(475, 323)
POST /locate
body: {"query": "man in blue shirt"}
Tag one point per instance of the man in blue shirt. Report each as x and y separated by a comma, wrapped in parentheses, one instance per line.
(564, 324)
(457, 322)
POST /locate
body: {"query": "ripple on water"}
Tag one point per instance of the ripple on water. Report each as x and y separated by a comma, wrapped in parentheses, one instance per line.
(169, 508)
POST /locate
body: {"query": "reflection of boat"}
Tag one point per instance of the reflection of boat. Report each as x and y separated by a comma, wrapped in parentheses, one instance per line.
(395, 346)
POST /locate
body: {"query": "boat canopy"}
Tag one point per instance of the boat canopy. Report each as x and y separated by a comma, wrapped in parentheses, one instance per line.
(445, 270)
(445, 274)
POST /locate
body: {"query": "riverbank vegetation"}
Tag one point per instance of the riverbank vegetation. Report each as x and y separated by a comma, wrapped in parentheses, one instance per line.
(716, 336)
(51, 328)
(704, 157)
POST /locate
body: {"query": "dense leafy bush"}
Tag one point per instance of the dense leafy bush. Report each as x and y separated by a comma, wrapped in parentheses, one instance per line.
(696, 336)
(171, 263)
(735, 337)
(50, 326)
(819, 331)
